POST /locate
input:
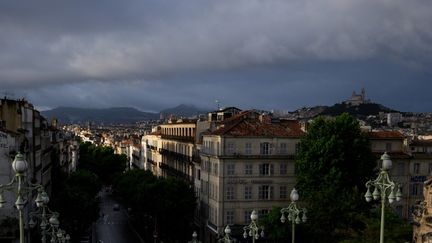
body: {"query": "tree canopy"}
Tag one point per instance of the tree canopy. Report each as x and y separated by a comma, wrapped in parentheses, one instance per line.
(77, 202)
(334, 162)
(102, 161)
(167, 203)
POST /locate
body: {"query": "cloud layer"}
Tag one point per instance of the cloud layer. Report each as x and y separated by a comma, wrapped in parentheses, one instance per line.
(156, 43)
(52, 41)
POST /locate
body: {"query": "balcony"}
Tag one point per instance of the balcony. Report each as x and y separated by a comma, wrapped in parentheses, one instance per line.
(186, 139)
(176, 156)
(171, 171)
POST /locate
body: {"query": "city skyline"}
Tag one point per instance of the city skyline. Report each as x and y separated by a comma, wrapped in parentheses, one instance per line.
(268, 55)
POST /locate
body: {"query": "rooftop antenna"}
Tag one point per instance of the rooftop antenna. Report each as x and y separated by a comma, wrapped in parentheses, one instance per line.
(218, 104)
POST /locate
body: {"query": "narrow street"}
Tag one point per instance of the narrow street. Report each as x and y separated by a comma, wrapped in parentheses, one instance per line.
(112, 226)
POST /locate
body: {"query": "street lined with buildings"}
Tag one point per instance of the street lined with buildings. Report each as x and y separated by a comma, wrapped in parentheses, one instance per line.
(113, 226)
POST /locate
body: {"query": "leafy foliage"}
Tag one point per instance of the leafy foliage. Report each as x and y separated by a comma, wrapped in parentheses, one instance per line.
(102, 161)
(274, 228)
(77, 202)
(334, 162)
(396, 230)
(168, 203)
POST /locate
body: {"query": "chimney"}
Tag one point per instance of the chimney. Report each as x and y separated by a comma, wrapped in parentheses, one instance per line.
(265, 118)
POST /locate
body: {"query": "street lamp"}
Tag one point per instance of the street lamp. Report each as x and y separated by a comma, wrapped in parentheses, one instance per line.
(253, 228)
(48, 220)
(194, 238)
(21, 187)
(383, 185)
(227, 238)
(293, 213)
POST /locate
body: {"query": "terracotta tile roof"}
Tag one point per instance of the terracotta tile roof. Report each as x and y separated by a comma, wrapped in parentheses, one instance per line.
(385, 135)
(246, 124)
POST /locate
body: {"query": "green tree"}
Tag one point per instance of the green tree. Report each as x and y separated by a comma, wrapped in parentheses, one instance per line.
(334, 162)
(396, 230)
(102, 161)
(167, 203)
(274, 229)
(77, 202)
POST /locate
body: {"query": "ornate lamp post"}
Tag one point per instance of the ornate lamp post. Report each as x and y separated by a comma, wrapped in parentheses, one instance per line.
(194, 238)
(48, 221)
(20, 186)
(383, 186)
(227, 238)
(253, 228)
(293, 213)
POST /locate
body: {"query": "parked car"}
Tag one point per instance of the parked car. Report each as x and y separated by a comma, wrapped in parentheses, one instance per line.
(116, 207)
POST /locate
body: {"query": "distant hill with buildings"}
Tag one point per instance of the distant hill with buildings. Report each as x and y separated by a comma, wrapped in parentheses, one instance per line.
(107, 115)
(358, 110)
(364, 109)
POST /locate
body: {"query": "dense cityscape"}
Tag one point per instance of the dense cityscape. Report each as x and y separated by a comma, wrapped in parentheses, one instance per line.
(210, 172)
(228, 121)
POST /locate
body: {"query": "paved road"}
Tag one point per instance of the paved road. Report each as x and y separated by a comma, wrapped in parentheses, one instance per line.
(112, 226)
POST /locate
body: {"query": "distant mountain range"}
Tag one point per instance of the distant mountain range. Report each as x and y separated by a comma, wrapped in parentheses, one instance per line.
(116, 114)
(184, 111)
(108, 115)
(132, 115)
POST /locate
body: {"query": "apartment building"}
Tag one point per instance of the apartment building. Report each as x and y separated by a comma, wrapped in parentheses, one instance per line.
(412, 166)
(247, 164)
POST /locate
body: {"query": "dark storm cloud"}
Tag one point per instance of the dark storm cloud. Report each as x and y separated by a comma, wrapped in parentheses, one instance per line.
(158, 53)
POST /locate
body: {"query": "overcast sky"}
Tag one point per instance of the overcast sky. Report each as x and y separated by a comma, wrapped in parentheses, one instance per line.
(264, 54)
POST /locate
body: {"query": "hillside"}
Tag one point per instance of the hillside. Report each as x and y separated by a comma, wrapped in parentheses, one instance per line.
(357, 110)
(184, 111)
(108, 115)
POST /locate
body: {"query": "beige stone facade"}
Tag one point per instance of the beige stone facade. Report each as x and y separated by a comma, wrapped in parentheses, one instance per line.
(247, 164)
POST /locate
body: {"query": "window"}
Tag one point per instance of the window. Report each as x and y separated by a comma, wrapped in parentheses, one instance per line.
(430, 169)
(231, 148)
(230, 193)
(229, 217)
(248, 192)
(212, 214)
(265, 192)
(263, 212)
(297, 148)
(415, 189)
(266, 169)
(248, 169)
(388, 147)
(230, 169)
(400, 168)
(283, 168)
(416, 168)
(248, 148)
(247, 214)
(283, 148)
(283, 192)
(265, 148)
(215, 169)
(199, 174)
